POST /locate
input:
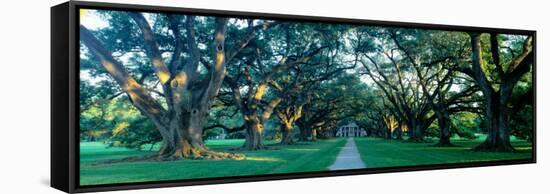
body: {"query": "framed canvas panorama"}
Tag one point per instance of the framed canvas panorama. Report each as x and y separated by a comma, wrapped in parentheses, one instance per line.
(149, 96)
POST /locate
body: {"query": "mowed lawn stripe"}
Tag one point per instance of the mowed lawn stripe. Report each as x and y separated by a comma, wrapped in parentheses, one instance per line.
(388, 153)
(303, 157)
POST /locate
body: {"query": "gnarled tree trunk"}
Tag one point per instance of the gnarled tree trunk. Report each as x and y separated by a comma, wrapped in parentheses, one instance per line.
(184, 137)
(415, 131)
(399, 135)
(253, 136)
(255, 126)
(304, 132)
(443, 121)
(314, 134)
(287, 117)
(498, 137)
(497, 110)
(286, 131)
(181, 124)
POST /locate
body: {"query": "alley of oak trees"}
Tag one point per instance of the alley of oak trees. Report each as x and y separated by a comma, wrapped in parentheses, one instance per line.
(178, 80)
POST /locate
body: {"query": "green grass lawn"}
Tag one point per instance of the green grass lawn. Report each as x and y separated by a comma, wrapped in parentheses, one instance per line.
(303, 157)
(385, 153)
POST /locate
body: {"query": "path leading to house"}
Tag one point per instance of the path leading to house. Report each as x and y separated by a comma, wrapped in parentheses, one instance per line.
(348, 158)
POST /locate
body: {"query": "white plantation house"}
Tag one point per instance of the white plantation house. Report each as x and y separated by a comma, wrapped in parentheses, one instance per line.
(350, 130)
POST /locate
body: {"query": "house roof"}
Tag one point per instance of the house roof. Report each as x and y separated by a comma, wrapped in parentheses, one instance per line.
(352, 124)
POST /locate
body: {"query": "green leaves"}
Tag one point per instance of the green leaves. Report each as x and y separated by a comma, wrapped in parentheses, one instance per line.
(329, 80)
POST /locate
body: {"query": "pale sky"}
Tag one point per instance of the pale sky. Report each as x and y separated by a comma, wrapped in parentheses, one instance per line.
(91, 19)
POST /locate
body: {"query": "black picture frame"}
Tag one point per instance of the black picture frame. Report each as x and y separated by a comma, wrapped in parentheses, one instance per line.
(64, 96)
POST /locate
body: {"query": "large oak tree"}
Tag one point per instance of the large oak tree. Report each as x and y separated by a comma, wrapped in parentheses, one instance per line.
(187, 95)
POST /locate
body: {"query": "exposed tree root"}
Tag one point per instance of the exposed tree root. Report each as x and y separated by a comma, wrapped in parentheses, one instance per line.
(441, 144)
(127, 159)
(205, 155)
(307, 140)
(288, 142)
(416, 141)
(485, 147)
(294, 143)
(247, 148)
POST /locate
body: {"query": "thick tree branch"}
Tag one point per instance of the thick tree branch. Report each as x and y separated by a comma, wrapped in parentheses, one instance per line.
(174, 25)
(152, 47)
(495, 53)
(217, 73)
(250, 34)
(521, 57)
(227, 129)
(477, 70)
(137, 94)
